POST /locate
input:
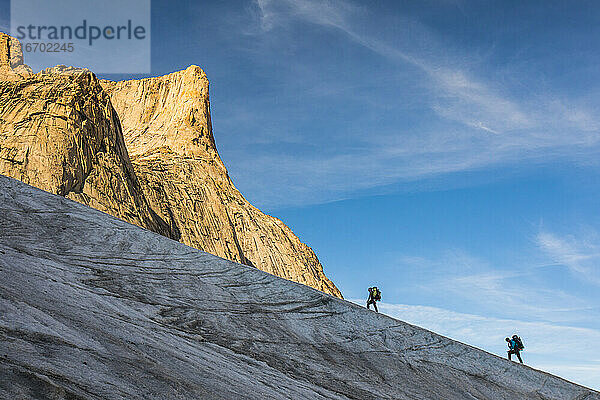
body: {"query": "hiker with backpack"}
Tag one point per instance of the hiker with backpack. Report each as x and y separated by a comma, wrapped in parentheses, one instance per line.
(515, 346)
(374, 296)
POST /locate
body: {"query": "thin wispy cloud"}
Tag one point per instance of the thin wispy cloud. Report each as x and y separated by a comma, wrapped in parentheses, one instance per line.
(472, 101)
(580, 254)
(469, 280)
(482, 122)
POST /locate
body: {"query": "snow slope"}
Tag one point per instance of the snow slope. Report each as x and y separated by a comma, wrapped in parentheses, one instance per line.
(92, 307)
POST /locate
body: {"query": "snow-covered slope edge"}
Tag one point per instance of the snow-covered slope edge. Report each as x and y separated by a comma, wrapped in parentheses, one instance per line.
(94, 308)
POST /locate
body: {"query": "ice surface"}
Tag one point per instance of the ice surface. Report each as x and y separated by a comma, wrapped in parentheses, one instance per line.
(94, 308)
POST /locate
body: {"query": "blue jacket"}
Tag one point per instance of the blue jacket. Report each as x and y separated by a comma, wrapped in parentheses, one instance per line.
(513, 345)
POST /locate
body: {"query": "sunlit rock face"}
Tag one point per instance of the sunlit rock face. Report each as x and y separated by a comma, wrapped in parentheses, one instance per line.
(92, 307)
(60, 133)
(11, 59)
(168, 132)
(142, 151)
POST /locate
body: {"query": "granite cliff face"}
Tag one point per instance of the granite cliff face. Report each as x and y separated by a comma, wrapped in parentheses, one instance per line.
(11, 59)
(142, 151)
(94, 308)
(168, 132)
(61, 134)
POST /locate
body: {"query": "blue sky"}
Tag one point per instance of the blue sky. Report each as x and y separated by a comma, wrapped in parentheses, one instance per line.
(444, 150)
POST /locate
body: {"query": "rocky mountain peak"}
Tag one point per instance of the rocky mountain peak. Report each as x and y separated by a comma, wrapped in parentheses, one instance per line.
(11, 58)
(167, 112)
(143, 151)
(168, 132)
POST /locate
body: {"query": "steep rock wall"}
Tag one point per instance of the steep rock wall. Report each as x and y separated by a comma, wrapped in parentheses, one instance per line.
(60, 132)
(168, 133)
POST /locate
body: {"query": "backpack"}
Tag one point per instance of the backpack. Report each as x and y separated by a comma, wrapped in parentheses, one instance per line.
(519, 342)
(376, 294)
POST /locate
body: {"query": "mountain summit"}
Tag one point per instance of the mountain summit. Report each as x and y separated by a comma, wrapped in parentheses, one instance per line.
(143, 151)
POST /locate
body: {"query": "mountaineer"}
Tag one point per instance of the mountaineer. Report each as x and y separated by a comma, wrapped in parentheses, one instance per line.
(374, 296)
(515, 346)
